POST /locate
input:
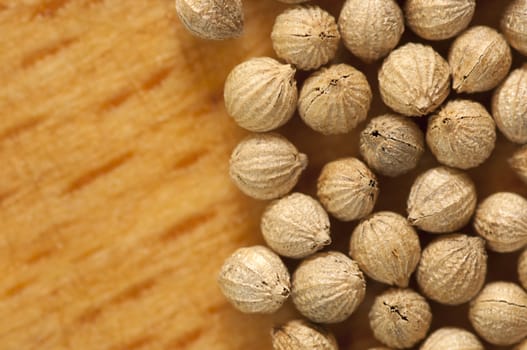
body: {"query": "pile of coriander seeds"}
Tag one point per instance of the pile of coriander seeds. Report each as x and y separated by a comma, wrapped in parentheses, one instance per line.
(437, 251)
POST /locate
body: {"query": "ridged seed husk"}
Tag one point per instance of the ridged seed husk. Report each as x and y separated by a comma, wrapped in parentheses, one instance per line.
(386, 247)
(450, 338)
(480, 59)
(499, 313)
(414, 80)
(347, 189)
(335, 100)
(522, 268)
(441, 200)
(502, 220)
(400, 318)
(328, 287)
(295, 226)
(514, 25)
(518, 163)
(462, 135)
(266, 166)
(302, 335)
(371, 29)
(255, 280)
(260, 94)
(452, 269)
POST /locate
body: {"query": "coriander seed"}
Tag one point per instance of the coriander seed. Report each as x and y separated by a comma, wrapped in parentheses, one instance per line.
(328, 287)
(391, 144)
(295, 226)
(347, 189)
(255, 280)
(414, 80)
(513, 25)
(441, 200)
(266, 166)
(522, 269)
(261, 94)
(302, 335)
(450, 338)
(518, 163)
(334, 100)
(380, 348)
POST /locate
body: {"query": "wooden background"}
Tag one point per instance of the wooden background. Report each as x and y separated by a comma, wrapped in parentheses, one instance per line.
(116, 210)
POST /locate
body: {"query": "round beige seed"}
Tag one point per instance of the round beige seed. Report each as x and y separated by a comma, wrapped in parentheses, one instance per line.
(347, 189)
(302, 335)
(266, 166)
(499, 313)
(522, 269)
(254, 280)
(386, 248)
(391, 144)
(462, 134)
(334, 100)
(449, 338)
(328, 287)
(441, 200)
(479, 58)
(518, 163)
(414, 80)
(509, 106)
(452, 269)
(261, 94)
(513, 25)
(400, 318)
(502, 220)
(371, 29)
(295, 226)
(305, 36)
(380, 348)
(293, 1)
(439, 19)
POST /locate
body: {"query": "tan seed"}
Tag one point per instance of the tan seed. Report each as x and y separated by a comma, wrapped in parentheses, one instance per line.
(293, 1)
(518, 163)
(380, 348)
(302, 335)
(522, 269)
(513, 25)
(521, 346)
(449, 338)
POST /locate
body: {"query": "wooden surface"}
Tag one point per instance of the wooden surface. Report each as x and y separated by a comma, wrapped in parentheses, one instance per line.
(116, 210)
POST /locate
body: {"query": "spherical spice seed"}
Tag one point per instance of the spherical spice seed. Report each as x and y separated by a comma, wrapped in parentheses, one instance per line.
(302, 335)
(293, 1)
(328, 287)
(305, 36)
(502, 220)
(386, 247)
(414, 80)
(518, 163)
(441, 200)
(212, 19)
(462, 135)
(439, 19)
(380, 348)
(295, 226)
(514, 25)
(347, 189)
(334, 100)
(499, 313)
(452, 269)
(266, 166)
(260, 94)
(255, 280)
(400, 318)
(391, 144)
(371, 29)
(509, 106)
(450, 338)
(522, 268)
(480, 59)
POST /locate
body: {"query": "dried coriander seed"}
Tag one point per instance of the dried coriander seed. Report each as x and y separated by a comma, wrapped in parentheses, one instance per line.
(513, 25)
(334, 100)
(499, 313)
(509, 106)
(293, 1)
(391, 144)
(439, 19)
(400, 318)
(380, 348)
(347, 189)
(452, 269)
(462, 135)
(212, 19)
(450, 338)
(502, 220)
(266, 166)
(302, 335)
(522, 269)
(260, 94)
(441, 200)
(371, 29)
(414, 80)
(305, 36)
(295, 226)
(479, 58)
(518, 163)
(386, 247)
(255, 280)
(328, 287)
